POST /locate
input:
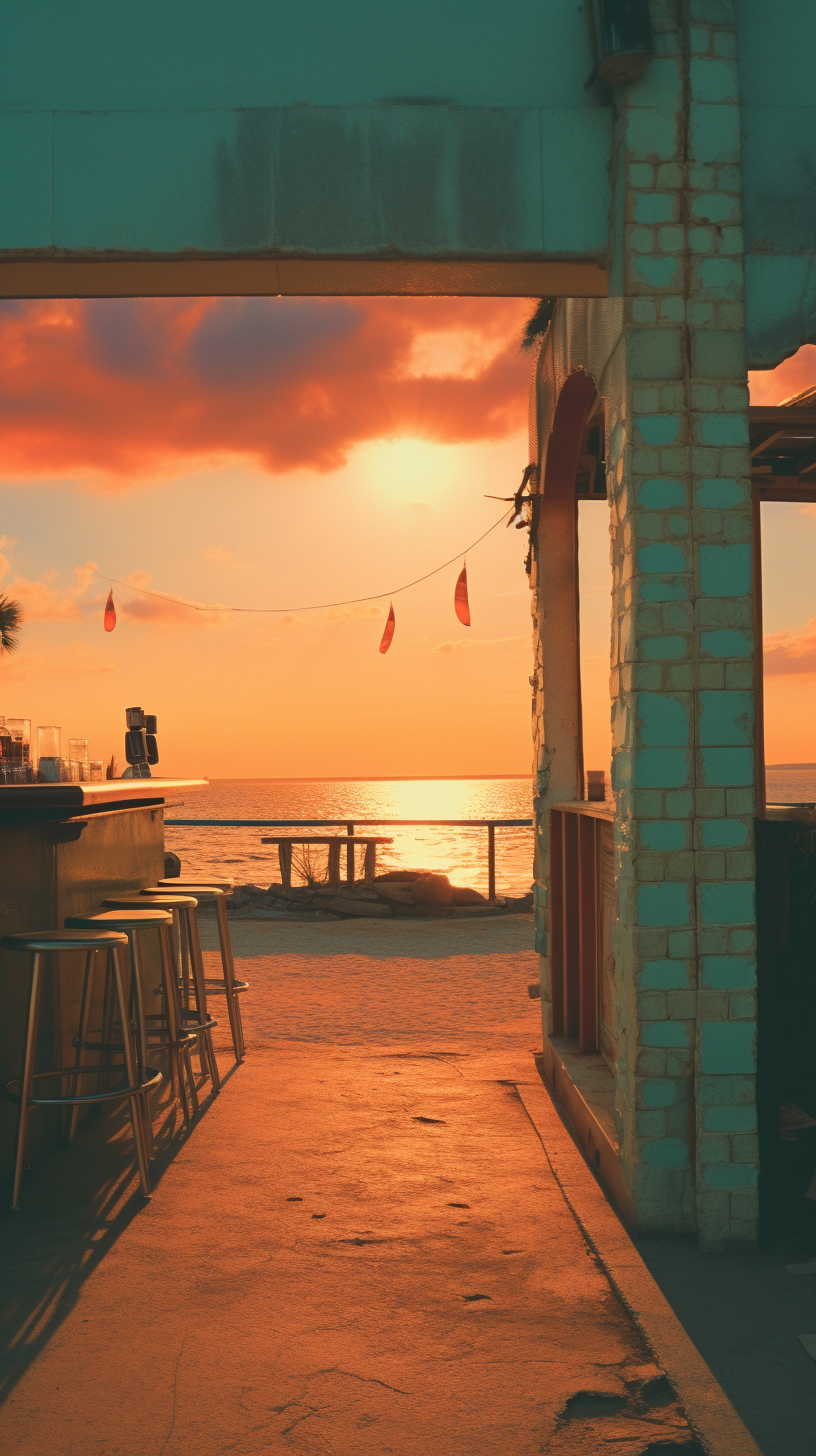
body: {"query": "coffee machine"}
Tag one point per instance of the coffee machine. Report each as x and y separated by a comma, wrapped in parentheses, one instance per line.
(141, 748)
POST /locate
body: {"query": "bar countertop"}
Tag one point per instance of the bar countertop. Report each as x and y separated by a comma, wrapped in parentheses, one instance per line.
(73, 798)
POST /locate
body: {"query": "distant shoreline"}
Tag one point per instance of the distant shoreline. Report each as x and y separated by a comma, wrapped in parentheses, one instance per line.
(375, 779)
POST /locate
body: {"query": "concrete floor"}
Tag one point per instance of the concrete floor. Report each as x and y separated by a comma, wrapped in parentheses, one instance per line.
(358, 1249)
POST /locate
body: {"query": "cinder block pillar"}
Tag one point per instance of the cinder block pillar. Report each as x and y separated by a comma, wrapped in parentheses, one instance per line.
(682, 659)
(668, 356)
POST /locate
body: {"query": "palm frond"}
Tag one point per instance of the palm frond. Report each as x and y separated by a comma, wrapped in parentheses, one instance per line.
(538, 323)
(11, 620)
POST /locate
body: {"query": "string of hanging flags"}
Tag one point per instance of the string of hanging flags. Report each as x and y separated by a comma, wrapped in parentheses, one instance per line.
(460, 598)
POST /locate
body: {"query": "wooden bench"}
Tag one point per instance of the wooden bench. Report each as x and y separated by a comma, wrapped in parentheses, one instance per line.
(336, 842)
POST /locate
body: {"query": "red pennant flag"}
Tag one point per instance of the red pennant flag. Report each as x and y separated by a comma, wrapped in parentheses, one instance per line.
(388, 634)
(110, 613)
(460, 599)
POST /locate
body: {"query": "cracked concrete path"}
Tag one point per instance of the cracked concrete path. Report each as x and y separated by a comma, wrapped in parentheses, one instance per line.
(360, 1249)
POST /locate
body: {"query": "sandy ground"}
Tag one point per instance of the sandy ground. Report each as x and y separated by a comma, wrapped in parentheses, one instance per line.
(358, 982)
(359, 1249)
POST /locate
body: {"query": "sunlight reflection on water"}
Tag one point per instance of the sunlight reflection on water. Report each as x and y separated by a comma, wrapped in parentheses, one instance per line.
(459, 853)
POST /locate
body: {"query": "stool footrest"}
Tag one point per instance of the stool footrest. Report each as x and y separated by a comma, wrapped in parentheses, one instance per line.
(152, 1078)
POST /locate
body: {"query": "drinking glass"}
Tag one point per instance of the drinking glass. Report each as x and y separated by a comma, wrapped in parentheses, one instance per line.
(96, 771)
(20, 730)
(48, 768)
(78, 750)
(49, 742)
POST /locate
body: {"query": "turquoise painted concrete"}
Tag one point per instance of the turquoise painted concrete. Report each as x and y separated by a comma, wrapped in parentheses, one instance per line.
(662, 768)
(663, 976)
(726, 717)
(725, 643)
(666, 904)
(659, 1092)
(661, 557)
(725, 903)
(727, 768)
(730, 1176)
(658, 429)
(444, 127)
(729, 1119)
(664, 720)
(660, 495)
(719, 494)
(724, 833)
(778, 106)
(728, 1046)
(659, 649)
(665, 1034)
(663, 834)
(106, 55)
(665, 1152)
(729, 973)
(725, 571)
(317, 130)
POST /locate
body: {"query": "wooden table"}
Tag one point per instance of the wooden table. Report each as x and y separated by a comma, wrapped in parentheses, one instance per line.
(335, 842)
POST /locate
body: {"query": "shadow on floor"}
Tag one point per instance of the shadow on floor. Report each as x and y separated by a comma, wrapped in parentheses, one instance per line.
(74, 1205)
(745, 1314)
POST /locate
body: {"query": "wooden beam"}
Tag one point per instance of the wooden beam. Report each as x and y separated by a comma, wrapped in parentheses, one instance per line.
(757, 450)
(50, 277)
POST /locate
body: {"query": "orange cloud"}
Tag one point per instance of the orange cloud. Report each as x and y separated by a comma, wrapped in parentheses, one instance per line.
(772, 386)
(790, 652)
(43, 601)
(123, 390)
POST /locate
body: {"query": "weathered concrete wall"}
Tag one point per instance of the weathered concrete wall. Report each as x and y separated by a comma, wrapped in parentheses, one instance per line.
(777, 83)
(671, 367)
(352, 130)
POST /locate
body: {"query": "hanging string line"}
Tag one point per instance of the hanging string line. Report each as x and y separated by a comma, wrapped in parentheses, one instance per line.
(272, 611)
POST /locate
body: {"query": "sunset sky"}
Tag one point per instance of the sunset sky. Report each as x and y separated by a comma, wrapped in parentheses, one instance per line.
(283, 452)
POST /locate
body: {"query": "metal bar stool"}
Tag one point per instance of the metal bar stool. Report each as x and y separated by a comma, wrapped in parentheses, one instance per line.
(138, 1078)
(196, 1020)
(215, 892)
(170, 1037)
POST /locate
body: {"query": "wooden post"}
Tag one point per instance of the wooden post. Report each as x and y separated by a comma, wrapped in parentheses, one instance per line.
(491, 862)
(349, 854)
(285, 862)
(335, 846)
(587, 935)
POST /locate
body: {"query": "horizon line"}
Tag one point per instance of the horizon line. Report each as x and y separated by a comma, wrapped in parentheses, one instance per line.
(366, 778)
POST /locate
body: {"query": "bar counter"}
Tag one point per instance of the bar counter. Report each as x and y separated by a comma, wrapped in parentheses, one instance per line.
(63, 849)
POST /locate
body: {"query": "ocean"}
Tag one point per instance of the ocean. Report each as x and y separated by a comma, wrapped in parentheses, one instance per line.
(459, 853)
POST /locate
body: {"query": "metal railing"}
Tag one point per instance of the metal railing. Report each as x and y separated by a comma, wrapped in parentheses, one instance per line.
(491, 825)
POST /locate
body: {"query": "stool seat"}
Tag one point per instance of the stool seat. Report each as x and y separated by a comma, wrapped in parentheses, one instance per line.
(204, 894)
(52, 940)
(139, 901)
(204, 880)
(125, 919)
